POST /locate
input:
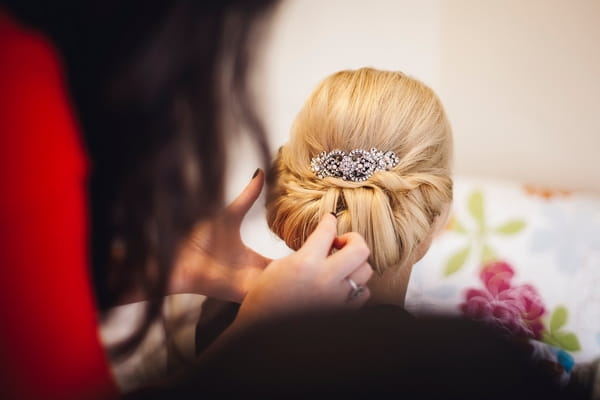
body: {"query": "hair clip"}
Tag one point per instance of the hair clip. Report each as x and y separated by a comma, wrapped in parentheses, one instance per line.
(356, 166)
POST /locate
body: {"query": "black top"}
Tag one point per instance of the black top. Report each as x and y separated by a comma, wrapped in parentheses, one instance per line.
(377, 353)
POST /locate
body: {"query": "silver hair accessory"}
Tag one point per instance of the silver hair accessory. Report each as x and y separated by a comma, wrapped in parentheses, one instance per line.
(355, 290)
(356, 166)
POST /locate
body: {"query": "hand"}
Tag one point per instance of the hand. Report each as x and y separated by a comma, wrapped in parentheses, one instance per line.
(215, 261)
(313, 278)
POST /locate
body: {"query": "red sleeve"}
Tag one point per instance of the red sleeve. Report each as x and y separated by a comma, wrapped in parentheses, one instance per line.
(49, 343)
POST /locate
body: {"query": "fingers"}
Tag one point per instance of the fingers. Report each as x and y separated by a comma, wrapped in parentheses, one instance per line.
(362, 274)
(355, 286)
(240, 206)
(319, 243)
(352, 253)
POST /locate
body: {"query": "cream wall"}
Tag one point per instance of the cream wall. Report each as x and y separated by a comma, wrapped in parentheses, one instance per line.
(520, 80)
(521, 83)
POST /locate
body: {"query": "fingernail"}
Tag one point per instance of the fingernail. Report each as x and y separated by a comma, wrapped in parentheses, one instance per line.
(255, 173)
(332, 213)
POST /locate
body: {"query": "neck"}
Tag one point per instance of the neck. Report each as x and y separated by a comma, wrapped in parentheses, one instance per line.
(390, 287)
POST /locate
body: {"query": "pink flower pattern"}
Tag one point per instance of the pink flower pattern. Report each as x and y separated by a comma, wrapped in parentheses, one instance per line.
(516, 309)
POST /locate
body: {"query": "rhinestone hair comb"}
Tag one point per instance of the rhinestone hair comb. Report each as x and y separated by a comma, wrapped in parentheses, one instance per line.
(356, 166)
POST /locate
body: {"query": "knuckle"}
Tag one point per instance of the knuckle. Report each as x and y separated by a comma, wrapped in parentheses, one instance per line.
(361, 249)
(295, 262)
(303, 261)
(359, 238)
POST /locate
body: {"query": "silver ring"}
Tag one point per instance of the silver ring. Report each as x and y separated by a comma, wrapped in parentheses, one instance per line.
(355, 290)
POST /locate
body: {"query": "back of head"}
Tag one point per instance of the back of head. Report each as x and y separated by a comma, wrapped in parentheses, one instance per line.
(394, 210)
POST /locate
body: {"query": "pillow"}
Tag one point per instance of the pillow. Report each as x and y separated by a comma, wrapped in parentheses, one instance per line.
(523, 258)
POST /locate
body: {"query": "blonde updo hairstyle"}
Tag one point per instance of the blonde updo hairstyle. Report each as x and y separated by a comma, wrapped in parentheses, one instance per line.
(393, 210)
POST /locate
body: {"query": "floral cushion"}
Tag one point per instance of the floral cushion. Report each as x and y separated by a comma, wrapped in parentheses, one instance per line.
(522, 258)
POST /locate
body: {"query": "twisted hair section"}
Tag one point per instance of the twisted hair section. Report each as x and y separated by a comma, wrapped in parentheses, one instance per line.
(394, 210)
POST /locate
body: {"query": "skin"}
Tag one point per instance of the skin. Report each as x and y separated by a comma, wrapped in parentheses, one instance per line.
(313, 278)
(215, 262)
(390, 287)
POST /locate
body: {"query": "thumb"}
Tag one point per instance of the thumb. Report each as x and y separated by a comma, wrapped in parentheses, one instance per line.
(321, 240)
(240, 206)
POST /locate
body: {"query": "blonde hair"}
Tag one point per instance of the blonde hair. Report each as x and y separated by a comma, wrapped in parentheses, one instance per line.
(393, 210)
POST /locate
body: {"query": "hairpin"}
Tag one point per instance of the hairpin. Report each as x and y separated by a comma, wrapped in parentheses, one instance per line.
(356, 166)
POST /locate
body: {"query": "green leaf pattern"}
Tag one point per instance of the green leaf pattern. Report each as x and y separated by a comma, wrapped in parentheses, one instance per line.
(476, 209)
(478, 242)
(511, 227)
(558, 319)
(457, 260)
(457, 226)
(556, 336)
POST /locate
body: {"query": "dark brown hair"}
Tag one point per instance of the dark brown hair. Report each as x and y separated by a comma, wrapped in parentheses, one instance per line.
(152, 83)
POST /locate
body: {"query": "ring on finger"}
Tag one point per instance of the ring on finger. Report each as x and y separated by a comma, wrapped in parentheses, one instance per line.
(355, 289)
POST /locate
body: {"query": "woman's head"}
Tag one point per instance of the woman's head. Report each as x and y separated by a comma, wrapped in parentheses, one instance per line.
(393, 209)
(158, 88)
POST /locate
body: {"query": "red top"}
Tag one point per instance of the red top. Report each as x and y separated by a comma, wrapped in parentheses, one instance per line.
(49, 343)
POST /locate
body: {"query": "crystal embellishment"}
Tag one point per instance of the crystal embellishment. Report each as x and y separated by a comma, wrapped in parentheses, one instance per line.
(356, 166)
